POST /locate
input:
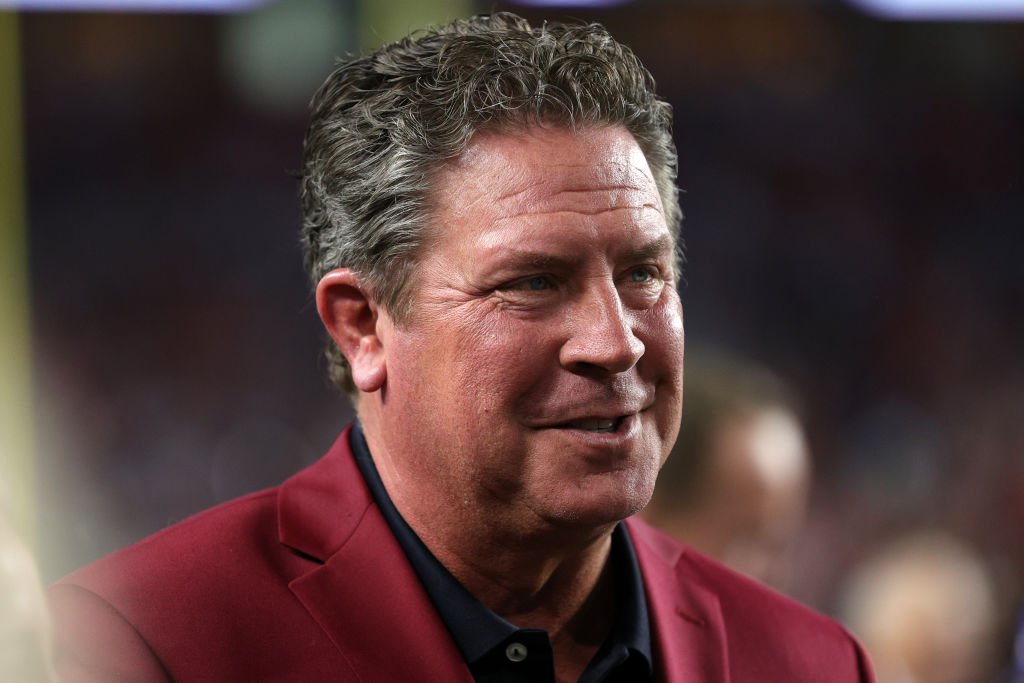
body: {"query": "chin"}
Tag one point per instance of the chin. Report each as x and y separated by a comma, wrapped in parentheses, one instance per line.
(595, 511)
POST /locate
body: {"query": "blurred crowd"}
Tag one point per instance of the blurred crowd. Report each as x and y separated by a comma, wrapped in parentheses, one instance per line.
(854, 199)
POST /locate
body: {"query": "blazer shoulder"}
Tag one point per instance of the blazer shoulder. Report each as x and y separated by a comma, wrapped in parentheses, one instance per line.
(212, 562)
(798, 638)
(208, 598)
(766, 635)
(204, 541)
(738, 594)
(214, 597)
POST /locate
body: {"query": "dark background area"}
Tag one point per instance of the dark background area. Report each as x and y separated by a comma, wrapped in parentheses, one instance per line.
(854, 200)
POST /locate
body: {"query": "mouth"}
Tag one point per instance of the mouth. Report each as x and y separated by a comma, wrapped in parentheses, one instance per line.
(595, 425)
(600, 437)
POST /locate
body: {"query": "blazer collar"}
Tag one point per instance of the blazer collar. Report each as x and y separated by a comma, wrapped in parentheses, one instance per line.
(361, 589)
(686, 618)
(320, 507)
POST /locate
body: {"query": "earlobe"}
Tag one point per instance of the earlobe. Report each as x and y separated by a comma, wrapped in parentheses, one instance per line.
(350, 316)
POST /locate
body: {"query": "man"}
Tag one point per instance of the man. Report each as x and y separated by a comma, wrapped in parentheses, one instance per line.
(489, 217)
(735, 486)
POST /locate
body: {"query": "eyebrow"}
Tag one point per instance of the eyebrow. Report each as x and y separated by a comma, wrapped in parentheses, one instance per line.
(535, 260)
(514, 257)
(658, 247)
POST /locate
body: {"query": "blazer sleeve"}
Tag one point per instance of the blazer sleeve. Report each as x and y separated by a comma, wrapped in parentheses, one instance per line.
(93, 642)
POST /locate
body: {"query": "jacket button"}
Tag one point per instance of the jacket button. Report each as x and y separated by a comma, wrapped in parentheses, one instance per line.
(516, 652)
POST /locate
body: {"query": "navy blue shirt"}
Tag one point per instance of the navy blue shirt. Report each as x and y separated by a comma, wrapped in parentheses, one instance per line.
(499, 652)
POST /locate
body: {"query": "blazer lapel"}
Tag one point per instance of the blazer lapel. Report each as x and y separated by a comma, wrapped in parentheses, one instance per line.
(686, 618)
(364, 595)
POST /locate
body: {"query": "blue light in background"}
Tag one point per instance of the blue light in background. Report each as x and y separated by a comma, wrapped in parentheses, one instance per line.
(963, 10)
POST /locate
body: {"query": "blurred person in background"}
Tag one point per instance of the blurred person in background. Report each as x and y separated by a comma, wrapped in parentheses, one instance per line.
(924, 607)
(736, 484)
(25, 640)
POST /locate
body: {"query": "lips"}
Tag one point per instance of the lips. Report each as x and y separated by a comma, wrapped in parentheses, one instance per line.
(600, 439)
(616, 412)
(604, 425)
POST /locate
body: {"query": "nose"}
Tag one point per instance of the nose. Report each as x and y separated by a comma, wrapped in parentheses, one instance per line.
(601, 335)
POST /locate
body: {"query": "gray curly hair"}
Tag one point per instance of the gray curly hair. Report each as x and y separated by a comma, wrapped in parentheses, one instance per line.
(384, 123)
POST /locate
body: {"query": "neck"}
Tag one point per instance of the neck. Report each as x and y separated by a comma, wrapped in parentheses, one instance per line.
(532, 573)
(534, 582)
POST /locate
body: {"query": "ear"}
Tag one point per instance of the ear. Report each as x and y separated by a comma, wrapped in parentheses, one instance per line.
(350, 315)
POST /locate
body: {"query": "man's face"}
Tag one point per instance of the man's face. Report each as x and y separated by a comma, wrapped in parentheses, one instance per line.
(539, 376)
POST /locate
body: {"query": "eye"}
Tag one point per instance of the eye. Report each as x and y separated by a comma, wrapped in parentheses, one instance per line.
(641, 286)
(538, 283)
(535, 283)
(642, 274)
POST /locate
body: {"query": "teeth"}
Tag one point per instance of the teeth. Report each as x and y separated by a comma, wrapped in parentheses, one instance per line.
(596, 425)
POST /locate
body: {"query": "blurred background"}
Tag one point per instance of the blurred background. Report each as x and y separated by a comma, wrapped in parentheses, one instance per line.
(854, 195)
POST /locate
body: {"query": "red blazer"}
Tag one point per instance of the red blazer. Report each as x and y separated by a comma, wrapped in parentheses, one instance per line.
(305, 582)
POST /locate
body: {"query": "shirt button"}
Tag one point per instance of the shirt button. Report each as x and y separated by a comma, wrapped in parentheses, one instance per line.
(516, 652)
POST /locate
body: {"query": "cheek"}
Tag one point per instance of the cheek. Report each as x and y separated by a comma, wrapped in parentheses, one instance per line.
(502, 359)
(671, 318)
(661, 330)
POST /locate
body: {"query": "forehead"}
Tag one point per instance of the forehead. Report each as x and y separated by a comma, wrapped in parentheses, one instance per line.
(506, 175)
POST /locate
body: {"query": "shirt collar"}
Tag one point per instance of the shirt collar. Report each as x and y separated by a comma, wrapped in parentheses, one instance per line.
(477, 630)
